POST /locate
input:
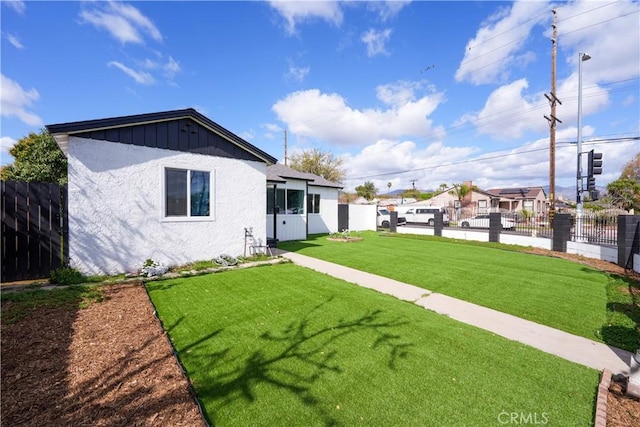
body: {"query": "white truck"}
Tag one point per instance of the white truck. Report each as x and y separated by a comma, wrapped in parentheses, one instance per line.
(426, 215)
(384, 218)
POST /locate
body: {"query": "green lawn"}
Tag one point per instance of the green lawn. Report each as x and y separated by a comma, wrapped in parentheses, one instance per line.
(283, 345)
(551, 291)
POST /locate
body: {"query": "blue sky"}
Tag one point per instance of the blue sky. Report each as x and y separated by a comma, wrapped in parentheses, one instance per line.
(405, 92)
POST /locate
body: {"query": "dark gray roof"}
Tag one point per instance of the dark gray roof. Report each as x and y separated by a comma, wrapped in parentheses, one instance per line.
(517, 193)
(181, 130)
(280, 173)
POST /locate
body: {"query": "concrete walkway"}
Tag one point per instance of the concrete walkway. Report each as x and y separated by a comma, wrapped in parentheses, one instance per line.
(568, 346)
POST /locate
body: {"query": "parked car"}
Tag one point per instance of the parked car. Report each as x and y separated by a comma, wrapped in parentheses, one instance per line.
(482, 221)
(384, 218)
(426, 215)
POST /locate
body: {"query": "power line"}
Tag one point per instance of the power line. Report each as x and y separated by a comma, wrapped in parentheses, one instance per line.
(498, 156)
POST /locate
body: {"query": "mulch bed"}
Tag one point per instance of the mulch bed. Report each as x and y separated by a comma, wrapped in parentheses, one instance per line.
(622, 411)
(107, 365)
(111, 365)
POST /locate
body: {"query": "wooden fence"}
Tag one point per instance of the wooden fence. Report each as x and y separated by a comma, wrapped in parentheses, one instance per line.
(34, 229)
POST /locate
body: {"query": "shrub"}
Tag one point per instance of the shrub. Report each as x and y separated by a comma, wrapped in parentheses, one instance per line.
(66, 275)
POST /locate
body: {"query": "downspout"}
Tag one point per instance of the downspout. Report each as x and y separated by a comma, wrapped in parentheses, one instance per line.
(306, 210)
(275, 214)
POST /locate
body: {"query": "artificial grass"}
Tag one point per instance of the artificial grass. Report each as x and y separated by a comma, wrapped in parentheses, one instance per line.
(283, 345)
(551, 291)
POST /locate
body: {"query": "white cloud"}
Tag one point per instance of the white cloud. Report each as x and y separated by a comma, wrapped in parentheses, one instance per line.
(272, 131)
(401, 162)
(295, 12)
(18, 6)
(328, 117)
(140, 77)
(15, 100)
(388, 9)
(507, 114)
(123, 21)
(298, 73)
(6, 143)
(498, 43)
(376, 41)
(171, 67)
(602, 33)
(14, 40)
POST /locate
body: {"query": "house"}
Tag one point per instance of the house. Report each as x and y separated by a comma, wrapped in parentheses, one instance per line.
(172, 186)
(299, 204)
(531, 199)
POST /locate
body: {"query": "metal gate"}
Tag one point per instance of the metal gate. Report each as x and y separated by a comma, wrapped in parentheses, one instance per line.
(343, 217)
(34, 229)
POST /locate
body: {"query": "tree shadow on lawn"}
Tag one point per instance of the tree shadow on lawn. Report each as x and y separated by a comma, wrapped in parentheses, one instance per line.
(294, 359)
(615, 334)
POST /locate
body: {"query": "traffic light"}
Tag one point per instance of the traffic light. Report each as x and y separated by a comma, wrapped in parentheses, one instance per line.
(595, 164)
(591, 184)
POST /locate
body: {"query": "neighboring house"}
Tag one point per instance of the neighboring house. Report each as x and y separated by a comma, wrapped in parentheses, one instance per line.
(531, 199)
(171, 186)
(299, 204)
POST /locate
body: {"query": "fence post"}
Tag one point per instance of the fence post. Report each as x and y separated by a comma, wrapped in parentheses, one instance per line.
(628, 239)
(393, 221)
(438, 223)
(561, 232)
(495, 225)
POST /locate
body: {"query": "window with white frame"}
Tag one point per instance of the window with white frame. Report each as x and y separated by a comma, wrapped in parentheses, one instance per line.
(313, 203)
(187, 193)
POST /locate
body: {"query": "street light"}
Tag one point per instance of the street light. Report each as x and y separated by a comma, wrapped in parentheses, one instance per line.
(582, 57)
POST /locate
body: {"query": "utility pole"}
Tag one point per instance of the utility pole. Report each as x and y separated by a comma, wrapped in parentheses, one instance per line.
(552, 119)
(285, 147)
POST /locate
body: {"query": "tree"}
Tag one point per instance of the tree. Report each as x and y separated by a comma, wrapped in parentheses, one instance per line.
(631, 169)
(368, 190)
(625, 191)
(460, 191)
(37, 158)
(319, 162)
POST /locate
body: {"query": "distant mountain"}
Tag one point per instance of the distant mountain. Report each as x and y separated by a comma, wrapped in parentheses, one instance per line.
(569, 193)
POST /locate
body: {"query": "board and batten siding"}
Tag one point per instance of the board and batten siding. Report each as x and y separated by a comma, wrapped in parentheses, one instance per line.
(289, 226)
(327, 220)
(116, 207)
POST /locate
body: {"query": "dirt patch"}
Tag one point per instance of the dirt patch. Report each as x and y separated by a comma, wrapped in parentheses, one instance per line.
(344, 239)
(601, 265)
(107, 365)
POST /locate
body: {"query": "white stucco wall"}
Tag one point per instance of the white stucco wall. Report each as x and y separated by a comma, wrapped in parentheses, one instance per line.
(327, 220)
(116, 197)
(605, 253)
(362, 217)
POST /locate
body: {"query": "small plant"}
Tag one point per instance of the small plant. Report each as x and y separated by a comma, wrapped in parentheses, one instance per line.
(152, 268)
(66, 275)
